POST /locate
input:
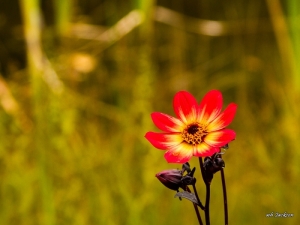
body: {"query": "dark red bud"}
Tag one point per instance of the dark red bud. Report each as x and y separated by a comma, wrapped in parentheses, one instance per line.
(170, 178)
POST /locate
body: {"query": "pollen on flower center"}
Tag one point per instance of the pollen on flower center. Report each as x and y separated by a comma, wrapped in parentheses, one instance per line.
(194, 133)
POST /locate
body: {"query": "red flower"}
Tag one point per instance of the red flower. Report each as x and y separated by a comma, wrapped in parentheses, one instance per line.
(199, 129)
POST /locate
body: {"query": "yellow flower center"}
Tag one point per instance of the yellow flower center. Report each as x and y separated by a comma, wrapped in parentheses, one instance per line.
(194, 133)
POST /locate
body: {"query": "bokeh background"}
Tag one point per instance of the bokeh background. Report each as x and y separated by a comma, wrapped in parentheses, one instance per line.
(79, 79)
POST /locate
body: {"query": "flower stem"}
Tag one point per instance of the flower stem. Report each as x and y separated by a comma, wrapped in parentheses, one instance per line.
(207, 184)
(207, 203)
(224, 197)
(202, 169)
(198, 214)
(196, 208)
(198, 199)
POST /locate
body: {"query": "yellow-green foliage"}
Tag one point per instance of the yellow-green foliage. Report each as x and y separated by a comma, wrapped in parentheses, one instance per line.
(73, 119)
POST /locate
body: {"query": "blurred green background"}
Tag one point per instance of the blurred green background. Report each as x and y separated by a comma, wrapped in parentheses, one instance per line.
(80, 78)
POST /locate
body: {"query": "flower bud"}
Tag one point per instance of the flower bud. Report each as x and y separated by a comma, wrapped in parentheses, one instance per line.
(170, 178)
(214, 164)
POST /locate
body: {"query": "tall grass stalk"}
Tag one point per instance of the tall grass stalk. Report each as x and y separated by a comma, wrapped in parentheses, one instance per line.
(140, 104)
(287, 48)
(63, 12)
(32, 31)
(293, 7)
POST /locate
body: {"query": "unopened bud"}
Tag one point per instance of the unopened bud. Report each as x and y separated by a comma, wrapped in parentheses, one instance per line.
(214, 164)
(170, 178)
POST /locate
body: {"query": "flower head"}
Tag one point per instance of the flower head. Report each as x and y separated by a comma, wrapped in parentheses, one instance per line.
(199, 129)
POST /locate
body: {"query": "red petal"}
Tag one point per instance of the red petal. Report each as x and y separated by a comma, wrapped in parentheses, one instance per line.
(219, 138)
(224, 119)
(163, 141)
(210, 106)
(166, 123)
(179, 154)
(204, 150)
(185, 106)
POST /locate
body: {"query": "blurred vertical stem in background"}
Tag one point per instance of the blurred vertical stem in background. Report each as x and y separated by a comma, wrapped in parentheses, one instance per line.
(62, 16)
(286, 46)
(147, 8)
(35, 67)
(141, 98)
(294, 21)
(287, 34)
(142, 93)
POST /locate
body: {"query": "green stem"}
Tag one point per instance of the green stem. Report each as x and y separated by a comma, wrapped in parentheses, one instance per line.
(63, 9)
(31, 16)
